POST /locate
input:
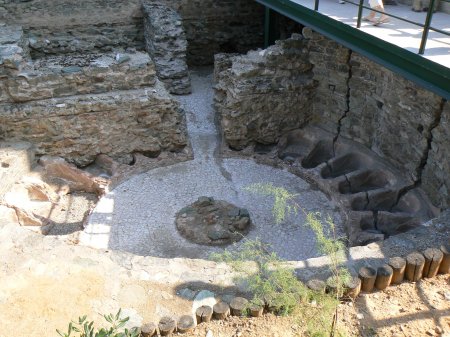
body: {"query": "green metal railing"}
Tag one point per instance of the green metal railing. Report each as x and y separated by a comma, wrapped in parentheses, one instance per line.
(428, 74)
(426, 26)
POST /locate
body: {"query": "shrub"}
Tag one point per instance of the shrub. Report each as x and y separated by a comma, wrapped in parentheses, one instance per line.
(85, 328)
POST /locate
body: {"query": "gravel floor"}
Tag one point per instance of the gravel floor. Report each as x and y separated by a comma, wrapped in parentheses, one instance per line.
(139, 215)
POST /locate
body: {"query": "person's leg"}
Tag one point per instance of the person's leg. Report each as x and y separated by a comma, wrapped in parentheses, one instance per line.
(371, 16)
(383, 17)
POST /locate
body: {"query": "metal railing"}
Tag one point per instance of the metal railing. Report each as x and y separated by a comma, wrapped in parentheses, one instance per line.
(426, 26)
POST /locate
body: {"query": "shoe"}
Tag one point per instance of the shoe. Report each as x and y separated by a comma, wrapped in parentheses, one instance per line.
(380, 21)
(369, 19)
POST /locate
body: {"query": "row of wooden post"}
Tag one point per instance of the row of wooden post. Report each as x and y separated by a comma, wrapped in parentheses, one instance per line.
(168, 325)
(415, 266)
(412, 268)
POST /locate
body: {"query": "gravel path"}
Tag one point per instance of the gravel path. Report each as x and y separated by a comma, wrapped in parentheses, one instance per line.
(139, 215)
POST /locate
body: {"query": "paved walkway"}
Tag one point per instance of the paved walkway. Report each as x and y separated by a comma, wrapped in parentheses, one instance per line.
(139, 215)
(397, 32)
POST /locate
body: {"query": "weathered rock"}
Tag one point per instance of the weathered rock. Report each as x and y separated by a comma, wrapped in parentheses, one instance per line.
(212, 222)
(39, 190)
(76, 179)
(165, 41)
(14, 50)
(7, 215)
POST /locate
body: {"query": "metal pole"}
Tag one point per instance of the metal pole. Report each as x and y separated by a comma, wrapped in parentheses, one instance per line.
(316, 5)
(360, 9)
(266, 27)
(426, 28)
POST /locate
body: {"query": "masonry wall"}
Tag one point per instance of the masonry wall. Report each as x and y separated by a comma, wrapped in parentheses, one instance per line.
(353, 98)
(67, 26)
(263, 94)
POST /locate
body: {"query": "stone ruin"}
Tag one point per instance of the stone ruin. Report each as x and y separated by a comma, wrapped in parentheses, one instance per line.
(213, 222)
(85, 102)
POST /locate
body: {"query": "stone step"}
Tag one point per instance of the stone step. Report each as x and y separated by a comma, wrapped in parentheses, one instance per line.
(16, 160)
(68, 75)
(78, 128)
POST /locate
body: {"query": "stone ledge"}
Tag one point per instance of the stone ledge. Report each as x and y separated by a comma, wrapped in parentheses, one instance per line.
(79, 74)
(79, 128)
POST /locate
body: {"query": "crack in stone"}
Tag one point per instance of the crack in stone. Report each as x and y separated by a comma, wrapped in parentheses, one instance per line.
(347, 97)
(349, 184)
(424, 159)
(367, 201)
(375, 219)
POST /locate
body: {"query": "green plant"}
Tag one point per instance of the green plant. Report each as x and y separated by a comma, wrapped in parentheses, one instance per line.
(85, 328)
(328, 243)
(265, 276)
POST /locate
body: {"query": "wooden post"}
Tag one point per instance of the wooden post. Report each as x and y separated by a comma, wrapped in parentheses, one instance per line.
(203, 314)
(352, 288)
(186, 323)
(256, 310)
(398, 265)
(167, 326)
(221, 310)
(316, 285)
(367, 276)
(238, 306)
(445, 264)
(433, 259)
(384, 277)
(148, 330)
(414, 266)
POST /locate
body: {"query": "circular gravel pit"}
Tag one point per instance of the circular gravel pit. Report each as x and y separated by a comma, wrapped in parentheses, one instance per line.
(212, 222)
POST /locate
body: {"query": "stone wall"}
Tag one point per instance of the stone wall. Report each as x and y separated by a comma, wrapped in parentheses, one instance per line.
(79, 128)
(436, 173)
(67, 26)
(55, 78)
(346, 94)
(214, 26)
(390, 115)
(264, 94)
(165, 41)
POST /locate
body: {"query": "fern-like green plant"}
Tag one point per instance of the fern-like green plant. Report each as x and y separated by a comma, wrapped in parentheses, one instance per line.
(265, 275)
(85, 328)
(324, 229)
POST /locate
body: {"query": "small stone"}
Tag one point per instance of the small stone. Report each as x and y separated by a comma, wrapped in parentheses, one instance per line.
(218, 234)
(243, 212)
(204, 201)
(209, 334)
(234, 212)
(360, 316)
(122, 58)
(242, 223)
(187, 293)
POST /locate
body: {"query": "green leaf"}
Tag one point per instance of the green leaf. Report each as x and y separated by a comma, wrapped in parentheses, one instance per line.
(118, 314)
